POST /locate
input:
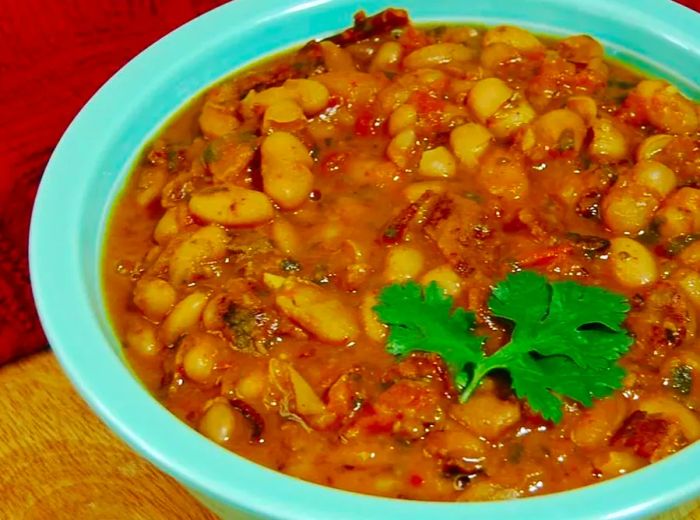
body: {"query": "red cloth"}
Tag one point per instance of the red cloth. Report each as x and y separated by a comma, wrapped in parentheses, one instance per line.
(54, 55)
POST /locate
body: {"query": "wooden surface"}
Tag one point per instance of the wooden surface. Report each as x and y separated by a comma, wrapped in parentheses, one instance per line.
(60, 462)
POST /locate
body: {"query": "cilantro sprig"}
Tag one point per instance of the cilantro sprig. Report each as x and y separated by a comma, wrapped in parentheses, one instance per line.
(566, 339)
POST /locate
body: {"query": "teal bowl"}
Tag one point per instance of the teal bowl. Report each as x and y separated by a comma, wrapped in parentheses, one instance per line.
(94, 157)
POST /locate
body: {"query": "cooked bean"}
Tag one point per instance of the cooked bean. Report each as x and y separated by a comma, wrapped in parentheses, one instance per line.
(314, 308)
(455, 444)
(218, 422)
(580, 48)
(286, 172)
(514, 115)
(652, 145)
(585, 106)
(171, 223)
(154, 297)
(281, 113)
(514, 36)
(633, 264)
(415, 191)
(184, 317)
(402, 118)
(150, 183)
(655, 176)
(689, 281)
(486, 415)
(231, 206)
(352, 86)
(141, 338)
(596, 425)
(560, 130)
(690, 255)
(437, 162)
(608, 144)
(469, 142)
(192, 258)
(487, 97)
(666, 108)
(374, 329)
(199, 355)
(620, 462)
(503, 174)
(446, 278)
(310, 94)
(497, 53)
(629, 208)
(388, 55)
(285, 236)
(252, 386)
(401, 146)
(336, 58)
(437, 54)
(403, 263)
(680, 213)
(217, 120)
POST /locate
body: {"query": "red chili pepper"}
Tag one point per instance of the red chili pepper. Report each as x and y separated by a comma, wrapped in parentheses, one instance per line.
(545, 256)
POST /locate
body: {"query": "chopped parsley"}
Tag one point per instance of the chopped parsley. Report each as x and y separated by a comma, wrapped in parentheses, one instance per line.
(290, 265)
(682, 379)
(209, 155)
(242, 323)
(391, 232)
(566, 339)
(679, 243)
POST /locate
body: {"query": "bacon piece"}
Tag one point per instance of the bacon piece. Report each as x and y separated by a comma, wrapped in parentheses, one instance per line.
(452, 224)
(642, 432)
(395, 230)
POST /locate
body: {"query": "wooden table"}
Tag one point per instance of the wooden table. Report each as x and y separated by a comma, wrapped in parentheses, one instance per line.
(60, 462)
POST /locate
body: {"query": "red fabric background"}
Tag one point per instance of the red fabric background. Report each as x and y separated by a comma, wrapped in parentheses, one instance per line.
(54, 54)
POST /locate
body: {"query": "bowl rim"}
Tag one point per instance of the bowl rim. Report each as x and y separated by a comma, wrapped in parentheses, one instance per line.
(110, 388)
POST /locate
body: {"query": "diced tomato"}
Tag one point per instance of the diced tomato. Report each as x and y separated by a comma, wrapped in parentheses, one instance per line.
(633, 110)
(333, 162)
(416, 480)
(413, 38)
(365, 124)
(427, 104)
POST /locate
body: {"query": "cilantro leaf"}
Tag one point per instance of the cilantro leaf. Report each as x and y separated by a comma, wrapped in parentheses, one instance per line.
(535, 380)
(563, 318)
(423, 320)
(566, 338)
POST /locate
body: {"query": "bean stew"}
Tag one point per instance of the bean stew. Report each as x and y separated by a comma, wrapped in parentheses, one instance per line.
(442, 263)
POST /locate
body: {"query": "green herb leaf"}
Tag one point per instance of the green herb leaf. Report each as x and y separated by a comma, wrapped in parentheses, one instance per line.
(566, 339)
(423, 320)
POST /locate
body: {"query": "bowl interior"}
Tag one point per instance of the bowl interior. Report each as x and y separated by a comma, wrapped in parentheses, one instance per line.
(96, 154)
